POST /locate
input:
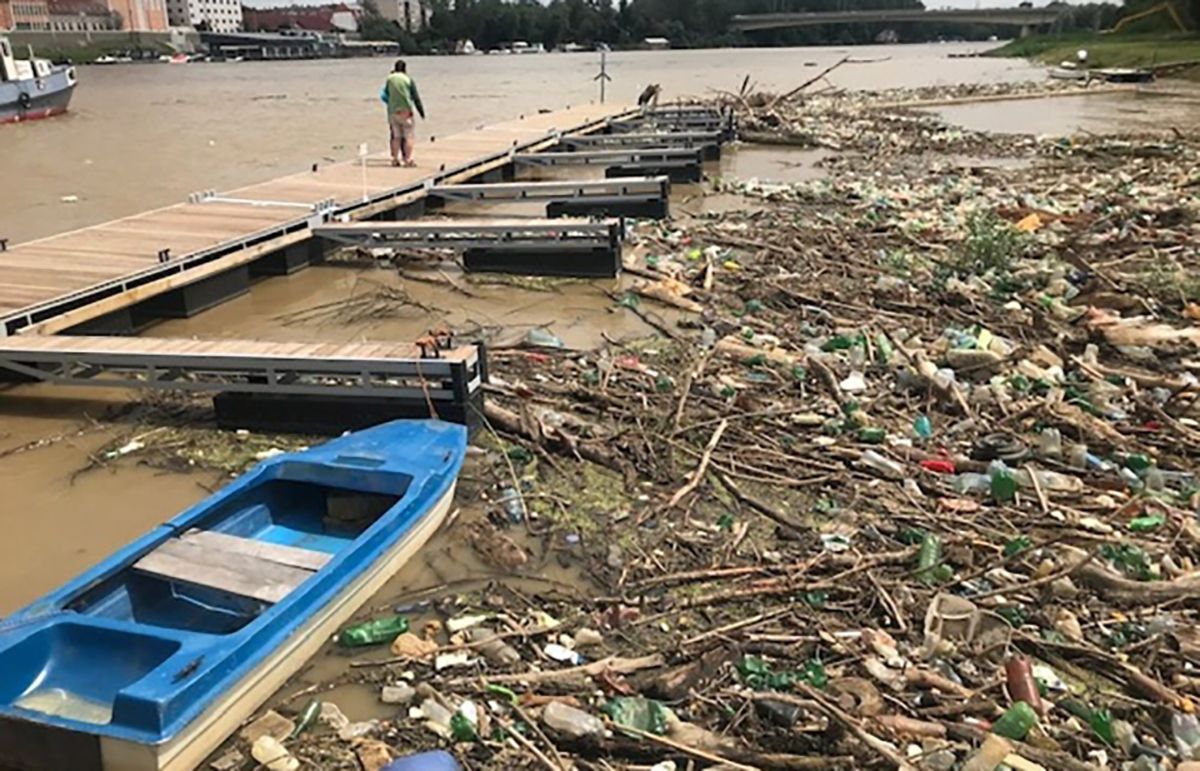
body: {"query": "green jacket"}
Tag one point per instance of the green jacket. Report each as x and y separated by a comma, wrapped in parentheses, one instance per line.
(402, 94)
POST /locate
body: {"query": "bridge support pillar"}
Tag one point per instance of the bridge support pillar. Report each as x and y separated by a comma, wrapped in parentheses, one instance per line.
(1026, 30)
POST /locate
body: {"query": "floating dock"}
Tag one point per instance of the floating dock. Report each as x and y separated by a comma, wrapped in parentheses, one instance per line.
(103, 274)
(98, 285)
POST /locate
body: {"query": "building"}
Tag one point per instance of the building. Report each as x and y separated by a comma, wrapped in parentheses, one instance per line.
(334, 19)
(206, 15)
(81, 16)
(411, 15)
(140, 15)
(24, 14)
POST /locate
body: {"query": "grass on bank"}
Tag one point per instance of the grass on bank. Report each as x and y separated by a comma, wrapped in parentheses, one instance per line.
(1110, 50)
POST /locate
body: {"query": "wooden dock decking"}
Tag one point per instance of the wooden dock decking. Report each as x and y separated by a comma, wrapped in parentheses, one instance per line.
(52, 283)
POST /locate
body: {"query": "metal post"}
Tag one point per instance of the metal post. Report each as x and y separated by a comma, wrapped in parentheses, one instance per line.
(603, 76)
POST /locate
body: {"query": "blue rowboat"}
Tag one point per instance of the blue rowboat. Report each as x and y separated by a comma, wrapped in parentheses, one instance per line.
(153, 657)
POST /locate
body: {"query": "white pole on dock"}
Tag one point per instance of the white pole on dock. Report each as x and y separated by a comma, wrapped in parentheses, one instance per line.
(362, 160)
(603, 76)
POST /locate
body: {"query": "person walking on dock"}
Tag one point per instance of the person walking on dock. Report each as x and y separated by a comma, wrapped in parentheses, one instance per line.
(400, 93)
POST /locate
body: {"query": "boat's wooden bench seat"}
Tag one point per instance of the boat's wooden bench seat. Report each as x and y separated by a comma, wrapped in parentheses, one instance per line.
(241, 566)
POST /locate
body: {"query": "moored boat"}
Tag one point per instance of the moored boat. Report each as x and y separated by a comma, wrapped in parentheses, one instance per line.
(154, 656)
(1125, 75)
(1068, 70)
(33, 88)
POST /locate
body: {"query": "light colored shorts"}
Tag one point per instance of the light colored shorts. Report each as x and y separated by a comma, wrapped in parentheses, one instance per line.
(403, 125)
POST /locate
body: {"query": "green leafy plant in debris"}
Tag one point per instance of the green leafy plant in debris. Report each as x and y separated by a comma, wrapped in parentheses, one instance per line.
(1167, 282)
(991, 245)
(758, 674)
(1129, 559)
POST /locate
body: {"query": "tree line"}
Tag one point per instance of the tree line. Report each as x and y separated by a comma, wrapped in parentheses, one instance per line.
(685, 23)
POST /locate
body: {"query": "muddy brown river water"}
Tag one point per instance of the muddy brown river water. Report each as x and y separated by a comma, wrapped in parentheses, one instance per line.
(142, 136)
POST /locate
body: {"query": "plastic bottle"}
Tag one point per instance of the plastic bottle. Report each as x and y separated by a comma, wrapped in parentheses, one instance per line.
(923, 427)
(494, 649)
(929, 558)
(439, 760)
(991, 753)
(310, 713)
(971, 483)
(1016, 722)
(1050, 481)
(1050, 443)
(373, 632)
(513, 504)
(871, 435)
(1101, 722)
(884, 467)
(1021, 685)
(1077, 456)
(838, 343)
(568, 721)
(1003, 485)
(1185, 729)
(270, 752)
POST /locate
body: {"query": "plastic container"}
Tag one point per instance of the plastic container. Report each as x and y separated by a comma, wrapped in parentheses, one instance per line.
(991, 753)
(439, 760)
(1003, 484)
(884, 467)
(1050, 443)
(373, 632)
(1016, 722)
(1021, 685)
(568, 721)
(270, 752)
(971, 483)
(1185, 729)
(494, 649)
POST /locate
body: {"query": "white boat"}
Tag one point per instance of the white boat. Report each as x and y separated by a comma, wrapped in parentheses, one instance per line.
(1068, 70)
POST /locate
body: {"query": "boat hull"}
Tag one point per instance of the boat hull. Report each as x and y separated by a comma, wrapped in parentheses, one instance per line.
(149, 660)
(189, 749)
(38, 98)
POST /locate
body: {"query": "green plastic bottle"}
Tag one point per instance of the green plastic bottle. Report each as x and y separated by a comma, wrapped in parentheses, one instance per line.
(871, 435)
(929, 558)
(1016, 722)
(1004, 486)
(373, 632)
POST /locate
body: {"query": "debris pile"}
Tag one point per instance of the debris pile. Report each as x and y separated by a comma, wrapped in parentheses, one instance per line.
(906, 479)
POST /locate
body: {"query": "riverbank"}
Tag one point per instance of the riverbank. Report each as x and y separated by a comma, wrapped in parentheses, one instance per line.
(1179, 55)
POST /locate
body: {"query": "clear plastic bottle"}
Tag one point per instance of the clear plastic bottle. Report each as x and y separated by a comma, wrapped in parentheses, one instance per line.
(885, 467)
(568, 721)
(971, 483)
(1185, 729)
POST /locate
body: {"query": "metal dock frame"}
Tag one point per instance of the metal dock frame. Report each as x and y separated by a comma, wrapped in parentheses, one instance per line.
(708, 141)
(251, 377)
(694, 118)
(680, 164)
(549, 247)
(646, 197)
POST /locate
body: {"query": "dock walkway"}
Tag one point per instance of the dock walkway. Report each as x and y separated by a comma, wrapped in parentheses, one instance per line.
(51, 284)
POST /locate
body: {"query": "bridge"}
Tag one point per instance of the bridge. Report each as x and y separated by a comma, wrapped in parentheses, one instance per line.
(1026, 18)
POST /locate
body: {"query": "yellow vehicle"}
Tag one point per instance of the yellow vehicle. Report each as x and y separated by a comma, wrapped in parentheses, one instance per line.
(1167, 6)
